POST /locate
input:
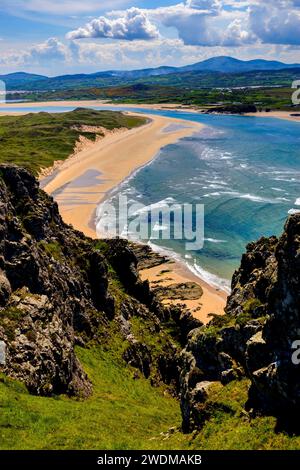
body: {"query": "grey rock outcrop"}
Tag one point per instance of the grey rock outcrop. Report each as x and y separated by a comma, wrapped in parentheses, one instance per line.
(59, 289)
(256, 335)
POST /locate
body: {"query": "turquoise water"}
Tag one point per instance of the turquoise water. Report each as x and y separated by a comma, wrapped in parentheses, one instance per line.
(245, 170)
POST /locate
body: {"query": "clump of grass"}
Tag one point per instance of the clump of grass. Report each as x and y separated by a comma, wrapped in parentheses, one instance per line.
(9, 319)
(53, 249)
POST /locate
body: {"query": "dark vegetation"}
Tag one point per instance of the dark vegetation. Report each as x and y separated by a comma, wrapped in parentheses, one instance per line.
(275, 98)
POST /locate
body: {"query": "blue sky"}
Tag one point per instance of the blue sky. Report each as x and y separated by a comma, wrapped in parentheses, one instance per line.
(66, 36)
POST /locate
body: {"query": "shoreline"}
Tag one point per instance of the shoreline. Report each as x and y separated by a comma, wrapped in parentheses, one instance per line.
(82, 182)
(285, 115)
(78, 206)
(129, 149)
(104, 103)
(172, 272)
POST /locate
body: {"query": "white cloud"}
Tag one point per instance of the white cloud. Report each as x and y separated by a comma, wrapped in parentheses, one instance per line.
(50, 51)
(195, 30)
(55, 58)
(203, 23)
(203, 4)
(133, 24)
(197, 22)
(276, 23)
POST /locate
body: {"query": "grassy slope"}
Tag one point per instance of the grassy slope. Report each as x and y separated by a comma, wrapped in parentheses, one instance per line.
(191, 79)
(125, 413)
(37, 140)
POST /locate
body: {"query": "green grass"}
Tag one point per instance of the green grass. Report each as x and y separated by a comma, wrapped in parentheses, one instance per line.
(127, 413)
(53, 249)
(123, 413)
(204, 90)
(36, 140)
(230, 428)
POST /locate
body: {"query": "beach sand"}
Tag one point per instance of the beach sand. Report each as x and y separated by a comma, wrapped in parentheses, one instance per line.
(167, 106)
(277, 114)
(174, 273)
(88, 103)
(83, 181)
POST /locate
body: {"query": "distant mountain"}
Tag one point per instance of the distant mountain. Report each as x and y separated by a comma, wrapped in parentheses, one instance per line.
(206, 73)
(20, 79)
(230, 65)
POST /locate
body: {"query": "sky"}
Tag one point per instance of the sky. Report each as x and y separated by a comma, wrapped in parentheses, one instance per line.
(55, 37)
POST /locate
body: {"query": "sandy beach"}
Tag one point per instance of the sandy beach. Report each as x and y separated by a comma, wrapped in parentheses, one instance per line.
(88, 103)
(174, 273)
(287, 115)
(83, 181)
(80, 183)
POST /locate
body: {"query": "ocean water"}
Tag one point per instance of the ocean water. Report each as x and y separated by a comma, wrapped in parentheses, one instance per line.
(246, 172)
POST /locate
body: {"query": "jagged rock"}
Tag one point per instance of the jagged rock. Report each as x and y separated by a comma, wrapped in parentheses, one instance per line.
(53, 288)
(201, 392)
(229, 375)
(2, 353)
(257, 333)
(138, 355)
(257, 352)
(59, 289)
(276, 385)
(225, 361)
(182, 291)
(168, 367)
(5, 289)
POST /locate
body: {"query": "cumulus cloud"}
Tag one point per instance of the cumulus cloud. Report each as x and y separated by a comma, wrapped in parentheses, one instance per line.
(198, 29)
(275, 25)
(132, 24)
(51, 51)
(197, 22)
(203, 23)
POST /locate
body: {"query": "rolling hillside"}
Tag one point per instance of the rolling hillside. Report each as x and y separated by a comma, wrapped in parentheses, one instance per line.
(214, 72)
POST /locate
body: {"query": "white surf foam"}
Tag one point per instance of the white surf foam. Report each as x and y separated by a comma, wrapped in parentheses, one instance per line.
(214, 240)
(210, 278)
(294, 211)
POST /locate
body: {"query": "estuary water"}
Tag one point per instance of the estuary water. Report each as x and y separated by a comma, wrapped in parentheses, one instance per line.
(246, 172)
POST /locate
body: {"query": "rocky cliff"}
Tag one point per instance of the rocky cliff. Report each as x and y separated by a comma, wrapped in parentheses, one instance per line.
(255, 338)
(59, 288)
